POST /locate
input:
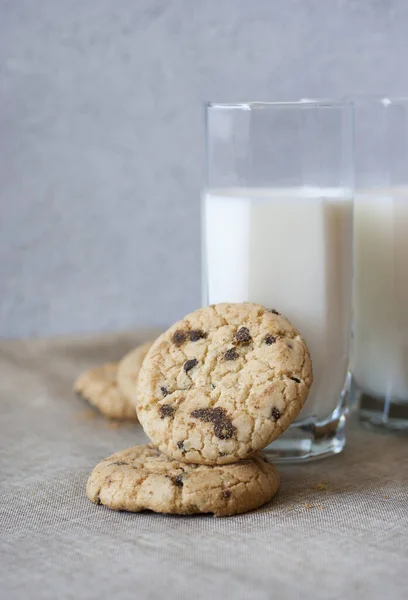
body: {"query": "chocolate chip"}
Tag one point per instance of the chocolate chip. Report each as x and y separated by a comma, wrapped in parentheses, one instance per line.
(275, 413)
(164, 391)
(223, 428)
(269, 340)
(197, 334)
(273, 311)
(226, 494)
(119, 463)
(209, 414)
(295, 379)
(179, 337)
(180, 445)
(190, 364)
(178, 481)
(231, 354)
(243, 336)
(205, 414)
(166, 410)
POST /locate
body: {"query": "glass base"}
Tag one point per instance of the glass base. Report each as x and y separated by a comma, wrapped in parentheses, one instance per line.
(310, 440)
(381, 413)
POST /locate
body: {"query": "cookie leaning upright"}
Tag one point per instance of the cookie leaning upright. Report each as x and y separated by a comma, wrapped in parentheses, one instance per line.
(223, 383)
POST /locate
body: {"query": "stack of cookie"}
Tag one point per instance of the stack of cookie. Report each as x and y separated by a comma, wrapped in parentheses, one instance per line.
(110, 387)
(213, 390)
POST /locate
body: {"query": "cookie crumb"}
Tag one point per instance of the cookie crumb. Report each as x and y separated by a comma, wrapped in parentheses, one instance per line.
(308, 505)
(321, 486)
(119, 463)
(295, 379)
(178, 481)
(190, 364)
(269, 340)
(226, 494)
(180, 445)
(274, 312)
(164, 391)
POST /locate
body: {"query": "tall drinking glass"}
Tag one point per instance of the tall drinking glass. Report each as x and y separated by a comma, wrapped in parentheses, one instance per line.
(277, 230)
(380, 330)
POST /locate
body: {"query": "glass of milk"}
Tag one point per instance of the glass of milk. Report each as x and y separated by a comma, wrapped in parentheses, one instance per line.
(380, 297)
(277, 230)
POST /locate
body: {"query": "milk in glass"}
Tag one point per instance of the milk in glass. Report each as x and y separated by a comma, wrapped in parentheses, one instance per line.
(288, 249)
(380, 346)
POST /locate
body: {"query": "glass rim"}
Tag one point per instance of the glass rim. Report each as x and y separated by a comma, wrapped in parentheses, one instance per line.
(378, 99)
(302, 103)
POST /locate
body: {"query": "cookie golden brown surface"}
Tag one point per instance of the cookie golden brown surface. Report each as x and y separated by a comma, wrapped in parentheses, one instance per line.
(99, 386)
(142, 477)
(129, 367)
(223, 383)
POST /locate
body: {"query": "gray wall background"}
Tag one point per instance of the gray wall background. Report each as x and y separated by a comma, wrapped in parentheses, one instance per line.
(101, 137)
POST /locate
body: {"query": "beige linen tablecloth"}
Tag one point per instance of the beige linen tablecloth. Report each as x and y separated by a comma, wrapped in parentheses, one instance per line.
(337, 529)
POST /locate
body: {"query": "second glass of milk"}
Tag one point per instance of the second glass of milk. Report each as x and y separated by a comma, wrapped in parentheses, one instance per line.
(380, 331)
(277, 230)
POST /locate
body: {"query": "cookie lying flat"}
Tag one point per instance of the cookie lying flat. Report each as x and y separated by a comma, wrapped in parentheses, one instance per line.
(223, 383)
(141, 478)
(129, 367)
(100, 387)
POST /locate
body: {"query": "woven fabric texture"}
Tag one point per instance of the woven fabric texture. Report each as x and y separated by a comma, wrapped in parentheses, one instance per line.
(337, 529)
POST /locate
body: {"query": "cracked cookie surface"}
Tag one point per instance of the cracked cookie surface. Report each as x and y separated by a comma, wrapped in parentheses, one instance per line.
(223, 383)
(99, 386)
(129, 367)
(143, 478)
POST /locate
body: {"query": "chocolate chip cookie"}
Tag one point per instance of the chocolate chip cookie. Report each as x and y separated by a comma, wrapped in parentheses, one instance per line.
(100, 387)
(129, 367)
(223, 383)
(141, 478)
